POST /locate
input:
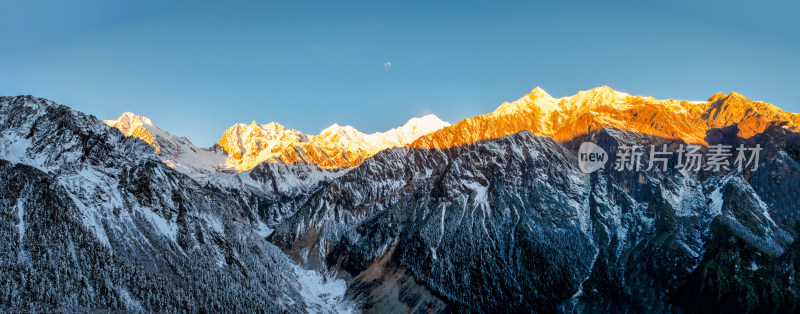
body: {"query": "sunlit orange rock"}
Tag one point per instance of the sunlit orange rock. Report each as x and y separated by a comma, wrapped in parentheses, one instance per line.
(568, 117)
(335, 147)
(134, 125)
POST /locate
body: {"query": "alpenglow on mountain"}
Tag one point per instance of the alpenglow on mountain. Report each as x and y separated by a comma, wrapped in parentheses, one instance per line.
(490, 213)
(249, 145)
(566, 118)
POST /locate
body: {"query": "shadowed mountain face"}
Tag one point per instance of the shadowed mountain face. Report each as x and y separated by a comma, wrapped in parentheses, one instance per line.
(490, 213)
(512, 223)
(94, 220)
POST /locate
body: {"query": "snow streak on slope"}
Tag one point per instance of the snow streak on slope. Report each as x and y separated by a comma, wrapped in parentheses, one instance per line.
(323, 294)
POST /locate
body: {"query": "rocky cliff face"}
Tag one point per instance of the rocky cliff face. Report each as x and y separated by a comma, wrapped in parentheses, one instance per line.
(511, 222)
(96, 221)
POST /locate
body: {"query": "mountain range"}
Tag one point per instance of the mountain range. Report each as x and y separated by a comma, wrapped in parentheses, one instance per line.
(490, 213)
(243, 146)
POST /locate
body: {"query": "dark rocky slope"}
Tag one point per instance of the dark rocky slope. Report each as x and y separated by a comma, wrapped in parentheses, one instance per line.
(94, 220)
(513, 224)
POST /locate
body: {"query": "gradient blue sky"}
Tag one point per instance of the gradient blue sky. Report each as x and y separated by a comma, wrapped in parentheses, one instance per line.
(196, 68)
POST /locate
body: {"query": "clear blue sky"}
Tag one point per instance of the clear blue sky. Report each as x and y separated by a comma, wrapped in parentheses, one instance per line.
(196, 68)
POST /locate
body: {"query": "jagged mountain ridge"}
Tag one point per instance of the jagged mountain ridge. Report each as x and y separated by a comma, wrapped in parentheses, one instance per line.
(335, 147)
(538, 112)
(565, 118)
(243, 146)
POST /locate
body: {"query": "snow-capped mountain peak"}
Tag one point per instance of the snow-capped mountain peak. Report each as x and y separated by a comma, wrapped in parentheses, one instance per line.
(537, 98)
(176, 152)
(131, 124)
(539, 92)
(409, 132)
(426, 123)
(336, 146)
(602, 92)
(132, 119)
(346, 131)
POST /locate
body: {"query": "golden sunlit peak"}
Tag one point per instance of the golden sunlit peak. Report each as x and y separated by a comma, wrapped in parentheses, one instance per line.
(717, 96)
(538, 92)
(602, 92)
(131, 124)
(339, 128)
(272, 126)
(603, 89)
(336, 146)
(736, 95)
(131, 118)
